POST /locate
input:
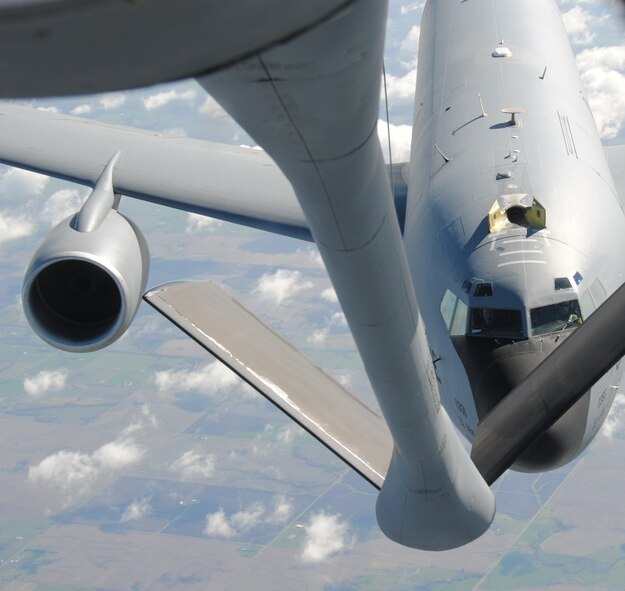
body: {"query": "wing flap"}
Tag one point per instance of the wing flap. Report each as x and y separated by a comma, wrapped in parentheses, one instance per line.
(279, 372)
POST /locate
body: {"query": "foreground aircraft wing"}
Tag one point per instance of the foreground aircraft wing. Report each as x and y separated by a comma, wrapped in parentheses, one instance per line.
(279, 372)
(230, 183)
(615, 156)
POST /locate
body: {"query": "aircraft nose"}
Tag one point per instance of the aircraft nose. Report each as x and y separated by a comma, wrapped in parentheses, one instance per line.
(495, 369)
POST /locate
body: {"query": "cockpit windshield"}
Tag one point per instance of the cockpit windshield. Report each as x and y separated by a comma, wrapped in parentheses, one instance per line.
(496, 322)
(555, 317)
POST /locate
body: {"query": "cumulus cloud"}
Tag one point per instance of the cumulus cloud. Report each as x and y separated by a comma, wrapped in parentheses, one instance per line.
(603, 73)
(282, 284)
(14, 227)
(319, 336)
(338, 319)
(615, 421)
(325, 535)
(72, 472)
(578, 24)
(409, 48)
(48, 109)
(219, 524)
(411, 7)
(45, 381)
(329, 295)
(159, 100)
(197, 223)
(213, 109)
(62, 204)
(401, 89)
(137, 510)
(112, 100)
(18, 183)
(207, 379)
(81, 110)
(192, 465)
(401, 140)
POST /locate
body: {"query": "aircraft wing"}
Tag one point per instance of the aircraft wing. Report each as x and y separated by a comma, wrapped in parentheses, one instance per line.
(230, 183)
(282, 374)
(615, 156)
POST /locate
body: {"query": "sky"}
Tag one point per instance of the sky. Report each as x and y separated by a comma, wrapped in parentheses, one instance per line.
(96, 448)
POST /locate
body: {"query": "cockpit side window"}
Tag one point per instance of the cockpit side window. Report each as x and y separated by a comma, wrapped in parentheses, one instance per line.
(555, 317)
(496, 322)
(454, 312)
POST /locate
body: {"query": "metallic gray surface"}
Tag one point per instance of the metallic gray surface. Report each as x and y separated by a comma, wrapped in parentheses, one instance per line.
(495, 367)
(279, 372)
(313, 105)
(553, 387)
(54, 47)
(553, 155)
(193, 175)
(118, 248)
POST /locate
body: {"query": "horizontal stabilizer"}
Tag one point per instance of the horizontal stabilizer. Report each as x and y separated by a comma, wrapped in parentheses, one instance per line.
(551, 389)
(279, 372)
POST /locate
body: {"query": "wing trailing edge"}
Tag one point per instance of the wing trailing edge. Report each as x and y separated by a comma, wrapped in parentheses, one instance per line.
(280, 372)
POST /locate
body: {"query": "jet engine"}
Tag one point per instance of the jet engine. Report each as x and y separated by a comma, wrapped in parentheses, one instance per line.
(82, 288)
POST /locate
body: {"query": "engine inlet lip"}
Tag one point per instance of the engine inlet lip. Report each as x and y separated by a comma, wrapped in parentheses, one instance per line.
(102, 339)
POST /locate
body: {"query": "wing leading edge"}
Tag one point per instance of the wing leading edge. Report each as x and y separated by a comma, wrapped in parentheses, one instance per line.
(226, 182)
(280, 372)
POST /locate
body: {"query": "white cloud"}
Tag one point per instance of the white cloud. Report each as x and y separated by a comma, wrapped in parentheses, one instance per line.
(248, 518)
(16, 182)
(220, 525)
(72, 471)
(282, 510)
(62, 204)
(44, 382)
(137, 510)
(319, 336)
(118, 454)
(329, 295)
(409, 48)
(14, 227)
(192, 465)
(615, 421)
(213, 109)
(217, 525)
(412, 7)
(325, 535)
(112, 100)
(401, 140)
(401, 89)
(338, 319)
(578, 24)
(603, 73)
(81, 110)
(197, 222)
(211, 377)
(156, 101)
(281, 285)
(48, 109)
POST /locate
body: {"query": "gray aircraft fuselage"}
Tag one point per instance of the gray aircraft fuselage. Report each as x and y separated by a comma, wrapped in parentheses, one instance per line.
(504, 287)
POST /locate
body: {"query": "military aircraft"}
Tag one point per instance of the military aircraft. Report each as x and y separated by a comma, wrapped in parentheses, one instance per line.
(481, 280)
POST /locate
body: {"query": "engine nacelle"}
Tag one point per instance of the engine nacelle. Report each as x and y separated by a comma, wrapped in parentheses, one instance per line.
(82, 288)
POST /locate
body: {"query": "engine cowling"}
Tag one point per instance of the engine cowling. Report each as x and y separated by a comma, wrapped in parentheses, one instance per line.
(82, 289)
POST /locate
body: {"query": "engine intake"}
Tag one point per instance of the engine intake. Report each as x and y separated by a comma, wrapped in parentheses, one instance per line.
(82, 289)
